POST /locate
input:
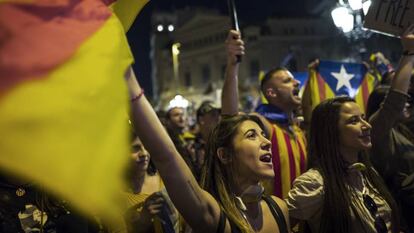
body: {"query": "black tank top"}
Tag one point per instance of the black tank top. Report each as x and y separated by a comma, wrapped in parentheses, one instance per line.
(274, 209)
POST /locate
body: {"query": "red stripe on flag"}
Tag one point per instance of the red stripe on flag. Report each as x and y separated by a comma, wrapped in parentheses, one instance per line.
(321, 87)
(35, 38)
(292, 167)
(277, 189)
(302, 157)
(365, 92)
(108, 2)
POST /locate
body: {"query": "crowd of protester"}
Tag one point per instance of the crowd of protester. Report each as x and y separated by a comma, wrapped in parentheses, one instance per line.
(349, 172)
(259, 171)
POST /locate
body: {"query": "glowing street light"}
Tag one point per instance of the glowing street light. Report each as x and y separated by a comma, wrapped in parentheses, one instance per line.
(339, 16)
(178, 101)
(343, 19)
(355, 4)
(175, 50)
(349, 15)
(170, 28)
(348, 23)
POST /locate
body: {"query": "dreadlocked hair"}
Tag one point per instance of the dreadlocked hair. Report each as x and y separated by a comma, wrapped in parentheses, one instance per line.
(325, 157)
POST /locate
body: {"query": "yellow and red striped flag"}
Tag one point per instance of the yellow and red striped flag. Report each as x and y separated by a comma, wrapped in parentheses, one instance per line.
(63, 100)
(330, 79)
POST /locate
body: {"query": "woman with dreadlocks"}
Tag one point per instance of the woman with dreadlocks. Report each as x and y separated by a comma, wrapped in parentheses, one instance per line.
(342, 192)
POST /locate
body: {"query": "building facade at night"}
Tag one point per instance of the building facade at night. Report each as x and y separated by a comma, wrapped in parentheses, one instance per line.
(200, 64)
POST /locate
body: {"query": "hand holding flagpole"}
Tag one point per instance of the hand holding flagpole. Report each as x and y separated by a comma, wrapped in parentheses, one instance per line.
(234, 21)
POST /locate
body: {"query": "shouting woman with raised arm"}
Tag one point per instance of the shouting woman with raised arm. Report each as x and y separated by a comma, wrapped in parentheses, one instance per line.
(239, 157)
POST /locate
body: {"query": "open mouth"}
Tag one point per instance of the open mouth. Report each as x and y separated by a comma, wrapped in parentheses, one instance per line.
(267, 158)
(295, 92)
(365, 134)
(406, 112)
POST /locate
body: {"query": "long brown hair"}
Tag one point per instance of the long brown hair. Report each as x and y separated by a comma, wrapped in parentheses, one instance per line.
(218, 178)
(326, 158)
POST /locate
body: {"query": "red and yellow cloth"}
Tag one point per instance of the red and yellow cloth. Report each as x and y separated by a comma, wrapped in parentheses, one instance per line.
(63, 100)
(289, 159)
(318, 89)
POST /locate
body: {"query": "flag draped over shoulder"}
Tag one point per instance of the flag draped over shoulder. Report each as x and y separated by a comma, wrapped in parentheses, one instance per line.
(330, 79)
(63, 100)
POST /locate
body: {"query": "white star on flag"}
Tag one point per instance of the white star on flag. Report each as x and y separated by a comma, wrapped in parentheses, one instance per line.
(343, 79)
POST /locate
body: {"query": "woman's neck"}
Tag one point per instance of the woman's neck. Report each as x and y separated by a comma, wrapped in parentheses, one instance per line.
(137, 181)
(350, 156)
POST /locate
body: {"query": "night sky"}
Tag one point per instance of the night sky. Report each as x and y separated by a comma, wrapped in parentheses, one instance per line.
(248, 12)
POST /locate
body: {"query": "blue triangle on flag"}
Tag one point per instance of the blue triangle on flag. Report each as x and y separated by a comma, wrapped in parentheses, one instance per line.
(302, 77)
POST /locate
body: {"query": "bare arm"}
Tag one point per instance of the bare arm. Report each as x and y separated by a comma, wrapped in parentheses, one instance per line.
(230, 94)
(384, 119)
(197, 206)
(401, 81)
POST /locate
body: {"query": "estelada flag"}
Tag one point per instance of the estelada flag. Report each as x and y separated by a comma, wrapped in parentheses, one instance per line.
(330, 79)
(63, 99)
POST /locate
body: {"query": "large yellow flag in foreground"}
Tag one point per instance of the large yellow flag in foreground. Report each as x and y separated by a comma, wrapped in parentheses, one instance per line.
(67, 129)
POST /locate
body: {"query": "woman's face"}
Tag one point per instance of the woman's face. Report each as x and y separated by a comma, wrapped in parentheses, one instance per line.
(354, 131)
(252, 150)
(139, 155)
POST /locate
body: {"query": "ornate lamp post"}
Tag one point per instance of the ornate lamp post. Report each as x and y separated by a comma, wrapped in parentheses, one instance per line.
(348, 17)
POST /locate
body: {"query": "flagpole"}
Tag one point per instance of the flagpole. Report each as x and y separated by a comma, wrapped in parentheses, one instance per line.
(234, 20)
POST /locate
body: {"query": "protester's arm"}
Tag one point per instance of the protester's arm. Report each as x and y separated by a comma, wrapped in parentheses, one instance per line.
(230, 94)
(197, 207)
(385, 118)
(305, 199)
(401, 81)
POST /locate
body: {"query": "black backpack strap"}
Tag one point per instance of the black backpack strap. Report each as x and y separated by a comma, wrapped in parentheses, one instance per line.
(222, 224)
(277, 214)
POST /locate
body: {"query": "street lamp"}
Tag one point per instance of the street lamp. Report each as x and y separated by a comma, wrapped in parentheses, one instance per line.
(355, 4)
(343, 18)
(178, 101)
(175, 50)
(348, 16)
(170, 28)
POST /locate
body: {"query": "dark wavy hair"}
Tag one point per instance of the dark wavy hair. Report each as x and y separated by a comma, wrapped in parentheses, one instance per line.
(325, 156)
(269, 76)
(218, 178)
